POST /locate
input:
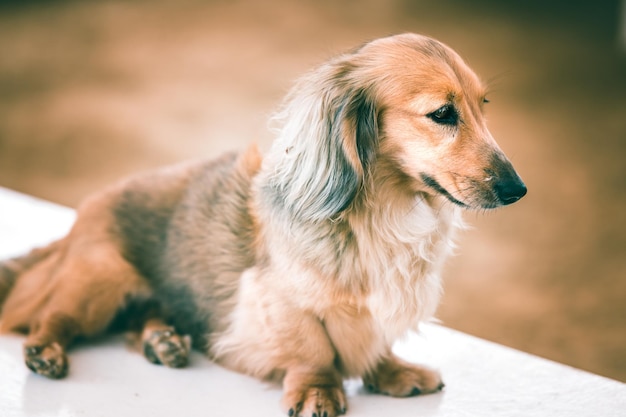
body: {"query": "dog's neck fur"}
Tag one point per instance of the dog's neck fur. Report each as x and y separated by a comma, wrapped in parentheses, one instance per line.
(403, 239)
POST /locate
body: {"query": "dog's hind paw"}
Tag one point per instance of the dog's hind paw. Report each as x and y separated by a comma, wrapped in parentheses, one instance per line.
(47, 360)
(165, 347)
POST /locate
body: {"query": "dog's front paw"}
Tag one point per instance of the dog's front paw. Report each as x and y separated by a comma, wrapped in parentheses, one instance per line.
(397, 378)
(47, 360)
(316, 401)
(167, 348)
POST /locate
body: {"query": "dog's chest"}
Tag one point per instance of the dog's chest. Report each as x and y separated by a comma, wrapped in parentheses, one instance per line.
(404, 289)
(399, 261)
(400, 256)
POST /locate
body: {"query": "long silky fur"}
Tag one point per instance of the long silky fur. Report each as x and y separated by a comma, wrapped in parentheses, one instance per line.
(333, 220)
(313, 174)
(402, 242)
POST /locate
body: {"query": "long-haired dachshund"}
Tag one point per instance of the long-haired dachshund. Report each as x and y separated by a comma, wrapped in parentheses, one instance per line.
(302, 267)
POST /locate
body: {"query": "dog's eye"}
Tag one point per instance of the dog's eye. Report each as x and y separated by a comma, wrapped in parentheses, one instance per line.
(445, 115)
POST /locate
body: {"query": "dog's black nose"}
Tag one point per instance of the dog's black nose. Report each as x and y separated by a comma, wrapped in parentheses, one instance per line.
(510, 190)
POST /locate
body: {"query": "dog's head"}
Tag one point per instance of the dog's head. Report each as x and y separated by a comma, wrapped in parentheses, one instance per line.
(406, 102)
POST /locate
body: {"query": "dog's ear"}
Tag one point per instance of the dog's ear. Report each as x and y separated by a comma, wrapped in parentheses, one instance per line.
(350, 150)
(327, 144)
(356, 129)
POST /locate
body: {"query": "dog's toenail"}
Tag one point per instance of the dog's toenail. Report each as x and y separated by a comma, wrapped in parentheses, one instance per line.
(314, 414)
(291, 412)
(441, 386)
(39, 363)
(33, 350)
(325, 414)
(416, 391)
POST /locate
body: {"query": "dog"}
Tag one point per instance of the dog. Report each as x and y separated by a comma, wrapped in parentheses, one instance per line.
(301, 267)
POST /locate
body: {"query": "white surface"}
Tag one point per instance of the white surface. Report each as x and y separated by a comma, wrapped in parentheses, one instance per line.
(27, 222)
(107, 380)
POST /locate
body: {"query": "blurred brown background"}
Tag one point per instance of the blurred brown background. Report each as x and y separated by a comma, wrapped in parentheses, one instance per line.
(91, 91)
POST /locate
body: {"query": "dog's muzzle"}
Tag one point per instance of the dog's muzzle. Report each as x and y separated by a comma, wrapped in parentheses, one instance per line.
(501, 186)
(508, 187)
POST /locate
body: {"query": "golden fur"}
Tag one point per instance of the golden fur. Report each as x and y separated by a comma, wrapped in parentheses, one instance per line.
(302, 267)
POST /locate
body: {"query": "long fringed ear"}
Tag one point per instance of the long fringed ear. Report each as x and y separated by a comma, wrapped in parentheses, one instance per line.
(358, 125)
(326, 146)
(354, 132)
(350, 149)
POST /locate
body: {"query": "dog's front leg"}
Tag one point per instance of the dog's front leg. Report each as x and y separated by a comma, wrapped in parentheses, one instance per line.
(398, 378)
(275, 335)
(312, 385)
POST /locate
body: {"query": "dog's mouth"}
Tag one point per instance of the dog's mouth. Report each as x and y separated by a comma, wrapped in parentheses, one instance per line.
(501, 192)
(433, 184)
